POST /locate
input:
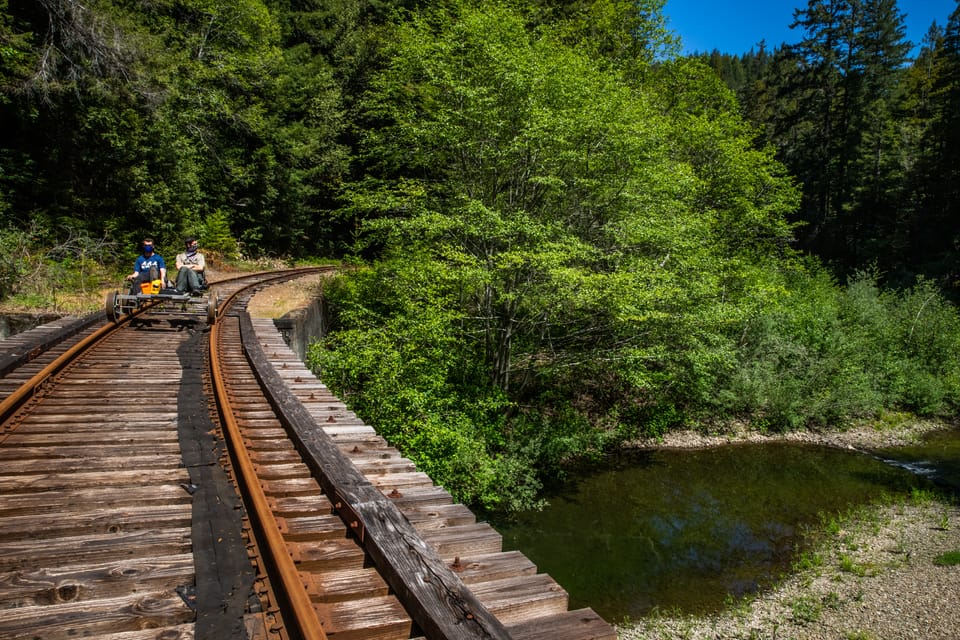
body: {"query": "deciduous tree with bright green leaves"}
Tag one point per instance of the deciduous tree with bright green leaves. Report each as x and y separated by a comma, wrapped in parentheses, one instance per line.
(593, 232)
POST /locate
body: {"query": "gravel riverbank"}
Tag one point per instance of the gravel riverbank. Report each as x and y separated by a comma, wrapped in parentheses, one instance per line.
(873, 576)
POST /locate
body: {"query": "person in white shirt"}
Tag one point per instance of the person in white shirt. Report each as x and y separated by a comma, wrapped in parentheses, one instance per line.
(190, 268)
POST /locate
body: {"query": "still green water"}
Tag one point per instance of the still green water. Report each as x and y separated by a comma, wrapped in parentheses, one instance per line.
(686, 530)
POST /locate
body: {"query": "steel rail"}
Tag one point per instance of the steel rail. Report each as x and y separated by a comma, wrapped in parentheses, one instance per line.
(16, 399)
(305, 616)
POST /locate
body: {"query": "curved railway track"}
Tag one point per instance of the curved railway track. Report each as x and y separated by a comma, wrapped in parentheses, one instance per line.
(162, 478)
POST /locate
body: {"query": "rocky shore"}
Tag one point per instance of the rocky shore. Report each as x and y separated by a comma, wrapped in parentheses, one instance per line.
(896, 430)
(873, 576)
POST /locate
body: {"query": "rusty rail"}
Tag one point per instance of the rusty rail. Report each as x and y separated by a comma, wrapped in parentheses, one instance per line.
(15, 400)
(305, 618)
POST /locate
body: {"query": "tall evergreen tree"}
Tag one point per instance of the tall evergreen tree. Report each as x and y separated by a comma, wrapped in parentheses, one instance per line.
(935, 237)
(129, 118)
(834, 125)
(816, 96)
(916, 117)
(874, 180)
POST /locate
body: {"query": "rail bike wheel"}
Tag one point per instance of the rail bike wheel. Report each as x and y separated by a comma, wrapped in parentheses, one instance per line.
(213, 303)
(113, 307)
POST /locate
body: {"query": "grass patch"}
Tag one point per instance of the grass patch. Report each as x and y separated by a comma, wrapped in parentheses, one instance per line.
(859, 569)
(923, 496)
(64, 303)
(808, 560)
(889, 420)
(948, 559)
(806, 609)
(848, 565)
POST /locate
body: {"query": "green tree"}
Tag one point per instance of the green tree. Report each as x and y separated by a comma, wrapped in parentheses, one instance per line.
(516, 175)
(630, 34)
(875, 180)
(834, 120)
(217, 237)
(74, 136)
(818, 98)
(552, 188)
(144, 118)
(596, 228)
(934, 231)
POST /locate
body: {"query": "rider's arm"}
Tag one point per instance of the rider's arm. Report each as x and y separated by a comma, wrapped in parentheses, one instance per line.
(136, 269)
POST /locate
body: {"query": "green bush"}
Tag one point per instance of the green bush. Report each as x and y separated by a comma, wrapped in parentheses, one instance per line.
(40, 271)
(399, 361)
(821, 356)
(216, 237)
(13, 258)
(830, 354)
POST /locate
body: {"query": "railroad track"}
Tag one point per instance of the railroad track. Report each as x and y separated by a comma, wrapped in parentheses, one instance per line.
(180, 480)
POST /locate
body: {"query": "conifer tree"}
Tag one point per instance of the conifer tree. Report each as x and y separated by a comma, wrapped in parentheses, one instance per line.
(836, 95)
(936, 228)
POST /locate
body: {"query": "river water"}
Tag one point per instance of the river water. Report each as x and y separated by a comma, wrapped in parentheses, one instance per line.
(689, 530)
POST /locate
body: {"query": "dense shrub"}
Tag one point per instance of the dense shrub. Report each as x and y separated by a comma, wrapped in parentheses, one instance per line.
(37, 271)
(400, 363)
(830, 354)
(822, 356)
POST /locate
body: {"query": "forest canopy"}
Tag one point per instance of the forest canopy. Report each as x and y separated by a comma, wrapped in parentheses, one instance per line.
(565, 235)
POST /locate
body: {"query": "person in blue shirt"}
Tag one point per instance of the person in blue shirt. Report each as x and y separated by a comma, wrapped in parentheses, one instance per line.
(148, 266)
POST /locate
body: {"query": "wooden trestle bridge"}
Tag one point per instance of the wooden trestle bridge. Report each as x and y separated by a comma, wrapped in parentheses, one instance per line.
(170, 474)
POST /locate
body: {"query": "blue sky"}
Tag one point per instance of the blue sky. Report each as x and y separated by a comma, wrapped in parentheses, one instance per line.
(735, 27)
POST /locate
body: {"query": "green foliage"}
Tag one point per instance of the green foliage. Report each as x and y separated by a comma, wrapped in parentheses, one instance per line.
(923, 496)
(46, 275)
(830, 354)
(401, 365)
(14, 252)
(141, 119)
(807, 561)
(849, 565)
(16, 57)
(806, 609)
(870, 135)
(550, 185)
(629, 34)
(216, 237)
(401, 358)
(657, 419)
(948, 559)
